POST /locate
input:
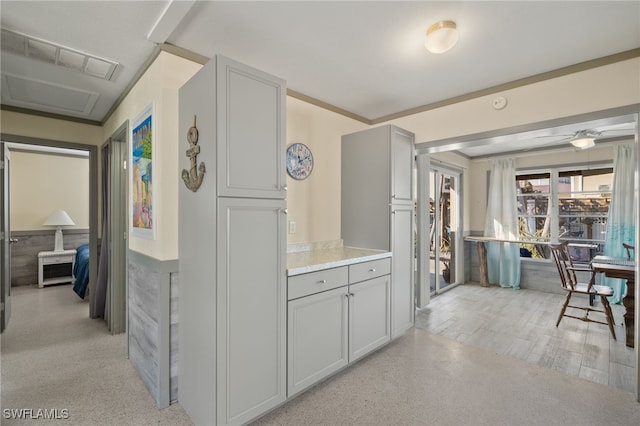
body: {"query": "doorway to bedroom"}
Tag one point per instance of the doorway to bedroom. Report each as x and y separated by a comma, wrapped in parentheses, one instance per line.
(48, 181)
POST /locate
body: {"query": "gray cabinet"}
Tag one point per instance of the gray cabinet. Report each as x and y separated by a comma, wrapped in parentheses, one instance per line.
(251, 308)
(377, 207)
(368, 316)
(232, 246)
(250, 132)
(335, 317)
(317, 337)
(402, 266)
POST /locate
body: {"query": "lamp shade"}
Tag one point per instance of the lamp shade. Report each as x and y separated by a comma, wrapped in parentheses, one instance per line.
(441, 36)
(58, 218)
(583, 142)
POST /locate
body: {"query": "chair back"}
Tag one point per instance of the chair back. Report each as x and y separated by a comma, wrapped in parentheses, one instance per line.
(561, 256)
(629, 249)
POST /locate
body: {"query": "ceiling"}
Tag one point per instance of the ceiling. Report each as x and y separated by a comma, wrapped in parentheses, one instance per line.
(367, 58)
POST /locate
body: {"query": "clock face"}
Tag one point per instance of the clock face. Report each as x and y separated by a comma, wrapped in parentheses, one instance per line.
(299, 161)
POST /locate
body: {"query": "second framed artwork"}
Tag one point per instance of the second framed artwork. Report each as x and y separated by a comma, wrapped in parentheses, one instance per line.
(143, 220)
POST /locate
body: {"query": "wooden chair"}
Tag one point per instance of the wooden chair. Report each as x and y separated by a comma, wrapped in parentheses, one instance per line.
(629, 248)
(570, 284)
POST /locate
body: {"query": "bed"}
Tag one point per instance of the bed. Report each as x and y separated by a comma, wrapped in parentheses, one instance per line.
(81, 270)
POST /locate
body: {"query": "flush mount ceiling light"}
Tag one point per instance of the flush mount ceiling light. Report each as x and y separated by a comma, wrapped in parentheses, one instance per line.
(441, 36)
(583, 140)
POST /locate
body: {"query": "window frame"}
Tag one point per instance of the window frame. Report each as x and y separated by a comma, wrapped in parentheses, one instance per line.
(553, 209)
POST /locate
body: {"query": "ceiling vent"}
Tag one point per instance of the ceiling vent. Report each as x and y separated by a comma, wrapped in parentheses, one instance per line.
(63, 56)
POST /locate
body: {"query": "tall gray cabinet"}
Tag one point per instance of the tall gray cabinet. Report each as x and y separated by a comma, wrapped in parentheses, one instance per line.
(232, 242)
(377, 207)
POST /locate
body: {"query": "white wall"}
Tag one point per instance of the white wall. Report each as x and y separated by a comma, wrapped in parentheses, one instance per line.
(160, 86)
(41, 183)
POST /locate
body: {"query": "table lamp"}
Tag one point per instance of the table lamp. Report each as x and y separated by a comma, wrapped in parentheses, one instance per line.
(58, 218)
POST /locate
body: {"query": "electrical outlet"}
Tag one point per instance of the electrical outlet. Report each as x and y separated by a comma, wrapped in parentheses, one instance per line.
(292, 227)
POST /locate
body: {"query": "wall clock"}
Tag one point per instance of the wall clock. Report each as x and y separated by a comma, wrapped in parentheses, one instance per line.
(299, 161)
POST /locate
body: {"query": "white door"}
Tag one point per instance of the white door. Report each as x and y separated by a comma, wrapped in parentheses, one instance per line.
(423, 293)
(5, 232)
(251, 308)
(440, 224)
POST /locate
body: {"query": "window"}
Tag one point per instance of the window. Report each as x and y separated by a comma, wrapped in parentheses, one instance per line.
(564, 204)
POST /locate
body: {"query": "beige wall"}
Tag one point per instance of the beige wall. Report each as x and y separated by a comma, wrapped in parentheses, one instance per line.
(592, 90)
(314, 203)
(14, 123)
(160, 85)
(41, 183)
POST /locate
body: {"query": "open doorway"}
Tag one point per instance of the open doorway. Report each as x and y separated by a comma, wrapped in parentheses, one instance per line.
(444, 228)
(26, 145)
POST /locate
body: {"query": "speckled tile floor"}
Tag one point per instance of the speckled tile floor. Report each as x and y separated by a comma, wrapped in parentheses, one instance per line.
(53, 356)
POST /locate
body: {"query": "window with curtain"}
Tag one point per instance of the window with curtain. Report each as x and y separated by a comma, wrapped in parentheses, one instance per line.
(564, 204)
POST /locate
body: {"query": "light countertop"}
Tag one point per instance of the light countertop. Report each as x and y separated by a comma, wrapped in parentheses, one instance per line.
(317, 260)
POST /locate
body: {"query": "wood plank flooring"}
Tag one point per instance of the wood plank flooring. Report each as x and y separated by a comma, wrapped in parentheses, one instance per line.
(521, 324)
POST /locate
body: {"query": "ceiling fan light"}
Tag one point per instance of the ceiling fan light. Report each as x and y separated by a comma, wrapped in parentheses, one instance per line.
(583, 142)
(441, 36)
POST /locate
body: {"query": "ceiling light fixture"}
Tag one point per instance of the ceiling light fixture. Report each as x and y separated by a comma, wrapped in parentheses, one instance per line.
(582, 141)
(441, 36)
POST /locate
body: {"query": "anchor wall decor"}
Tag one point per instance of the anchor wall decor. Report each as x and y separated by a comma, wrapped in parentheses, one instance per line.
(192, 179)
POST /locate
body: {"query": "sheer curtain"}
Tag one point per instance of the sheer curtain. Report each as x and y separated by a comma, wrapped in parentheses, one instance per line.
(622, 212)
(503, 259)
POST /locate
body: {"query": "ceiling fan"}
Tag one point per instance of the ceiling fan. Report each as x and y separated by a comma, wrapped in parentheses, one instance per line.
(585, 139)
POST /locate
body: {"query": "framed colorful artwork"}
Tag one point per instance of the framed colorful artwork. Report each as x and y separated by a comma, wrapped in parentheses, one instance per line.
(143, 220)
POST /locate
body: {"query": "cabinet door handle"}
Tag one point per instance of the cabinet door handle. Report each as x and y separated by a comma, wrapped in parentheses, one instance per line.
(284, 188)
(285, 211)
(322, 282)
(352, 295)
(13, 240)
(372, 270)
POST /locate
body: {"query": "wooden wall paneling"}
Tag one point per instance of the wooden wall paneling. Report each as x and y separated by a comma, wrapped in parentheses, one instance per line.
(24, 253)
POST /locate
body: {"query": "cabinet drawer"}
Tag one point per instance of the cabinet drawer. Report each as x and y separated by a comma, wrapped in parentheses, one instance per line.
(367, 270)
(57, 259)
(314, 282)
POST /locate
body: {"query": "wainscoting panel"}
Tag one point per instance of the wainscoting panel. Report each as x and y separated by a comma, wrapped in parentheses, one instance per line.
(153, 340)
(541, 275)
(173, 333)
(24, 253)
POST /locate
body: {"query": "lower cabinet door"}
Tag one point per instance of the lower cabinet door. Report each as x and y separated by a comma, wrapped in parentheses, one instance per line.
(402, 269)
(251, 308)
(317, 338)
(369, 318)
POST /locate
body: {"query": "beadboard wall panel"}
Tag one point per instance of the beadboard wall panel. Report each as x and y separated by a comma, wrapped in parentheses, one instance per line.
(153, 338)
(24, 253)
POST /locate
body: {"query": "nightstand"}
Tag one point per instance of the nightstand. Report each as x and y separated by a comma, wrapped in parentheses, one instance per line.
(55, 267)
